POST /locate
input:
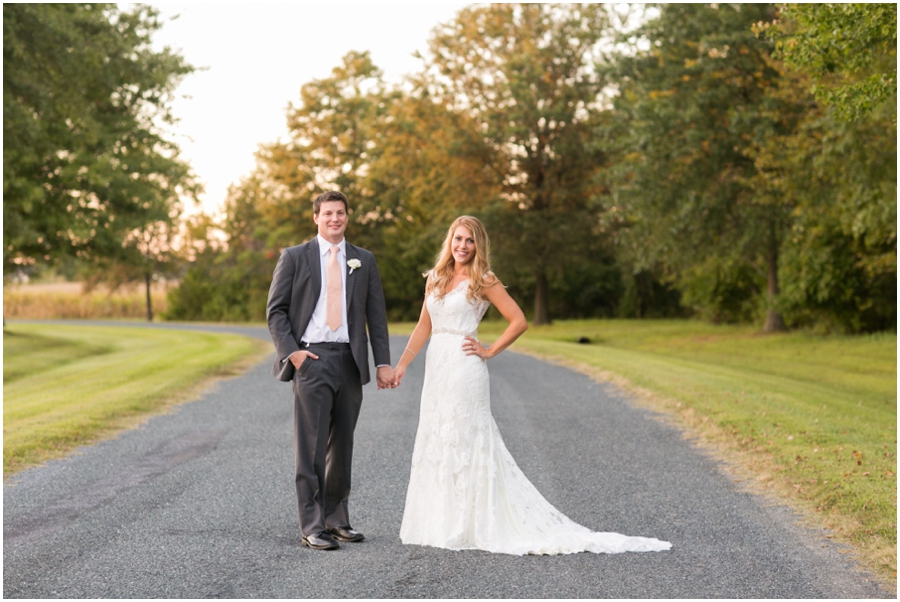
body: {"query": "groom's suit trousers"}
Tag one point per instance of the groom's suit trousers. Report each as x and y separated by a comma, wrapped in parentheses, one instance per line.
(327, 399)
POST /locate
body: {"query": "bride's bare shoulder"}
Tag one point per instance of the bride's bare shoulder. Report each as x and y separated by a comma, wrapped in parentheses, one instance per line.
(490, 279)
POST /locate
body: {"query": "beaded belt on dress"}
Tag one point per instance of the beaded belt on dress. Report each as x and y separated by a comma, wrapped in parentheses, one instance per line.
(462, 333)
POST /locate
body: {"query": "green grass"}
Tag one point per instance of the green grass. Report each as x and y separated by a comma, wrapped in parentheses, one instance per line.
(810, 418)
(66, 386)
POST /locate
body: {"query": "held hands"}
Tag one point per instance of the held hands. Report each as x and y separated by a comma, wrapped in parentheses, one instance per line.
(399, 371)
(385, 377)
(471, 346)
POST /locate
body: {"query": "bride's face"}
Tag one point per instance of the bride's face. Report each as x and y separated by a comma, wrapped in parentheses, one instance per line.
(462, 245)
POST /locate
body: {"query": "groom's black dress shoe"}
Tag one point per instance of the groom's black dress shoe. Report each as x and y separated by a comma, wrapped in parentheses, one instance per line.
(320, 541)
(345, 534)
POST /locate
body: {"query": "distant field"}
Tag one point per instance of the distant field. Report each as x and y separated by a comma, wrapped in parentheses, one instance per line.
(67, 300)
(809, 418)
(66, 385)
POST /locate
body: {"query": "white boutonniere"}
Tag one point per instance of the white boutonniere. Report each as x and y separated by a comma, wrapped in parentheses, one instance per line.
(353, 264)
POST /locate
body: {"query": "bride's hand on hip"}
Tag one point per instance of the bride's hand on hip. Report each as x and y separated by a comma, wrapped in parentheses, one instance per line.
(471, 346)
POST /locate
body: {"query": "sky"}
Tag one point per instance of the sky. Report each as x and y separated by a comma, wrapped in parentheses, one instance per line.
(256, 58)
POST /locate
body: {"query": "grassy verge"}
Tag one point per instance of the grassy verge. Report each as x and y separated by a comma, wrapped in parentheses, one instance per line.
(66, 386)
(808, 418)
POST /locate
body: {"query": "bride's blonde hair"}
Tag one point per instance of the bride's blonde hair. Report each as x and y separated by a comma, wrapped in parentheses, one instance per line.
(478, 268)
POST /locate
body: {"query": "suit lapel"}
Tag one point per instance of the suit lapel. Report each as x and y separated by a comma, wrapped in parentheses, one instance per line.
(315, 266)
(351, 278)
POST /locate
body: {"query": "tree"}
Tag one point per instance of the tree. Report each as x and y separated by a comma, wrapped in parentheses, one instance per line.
(332, 133)
(86, 166)
(839, 259)
(839, 168)
(332, 138)
(228, 279)
(688, 194)
(148, 252)
(849, 50)
(733, 178)
(428, 166)
(407, 165)
(523, 74)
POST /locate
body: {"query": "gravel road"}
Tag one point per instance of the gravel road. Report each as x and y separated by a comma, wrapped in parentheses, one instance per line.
(199, 503)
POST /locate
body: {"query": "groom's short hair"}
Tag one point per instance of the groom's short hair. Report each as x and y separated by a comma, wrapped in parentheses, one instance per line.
(330, 196)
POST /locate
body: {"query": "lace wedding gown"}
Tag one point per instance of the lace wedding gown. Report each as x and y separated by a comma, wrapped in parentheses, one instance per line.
(465, 489)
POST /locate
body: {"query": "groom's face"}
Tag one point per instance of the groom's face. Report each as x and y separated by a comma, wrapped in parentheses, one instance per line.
(332, 221)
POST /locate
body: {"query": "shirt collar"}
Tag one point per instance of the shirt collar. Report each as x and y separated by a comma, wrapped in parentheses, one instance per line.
(325, 246)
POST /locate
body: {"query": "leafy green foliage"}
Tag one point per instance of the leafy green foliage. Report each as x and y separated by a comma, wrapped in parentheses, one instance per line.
(685, 194)
(329, 146)
(523, 74)
(227, 282)
(840, 165)
(409, 165)
(840, 260)
(86, 167)
(733, 182)
(850, 50)
(715, 184)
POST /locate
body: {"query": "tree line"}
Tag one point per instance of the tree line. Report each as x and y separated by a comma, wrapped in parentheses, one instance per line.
(732, 162)
(91, 181)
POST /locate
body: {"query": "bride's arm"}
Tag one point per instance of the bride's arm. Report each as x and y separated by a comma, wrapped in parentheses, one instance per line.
(510, 310)
(417, 340)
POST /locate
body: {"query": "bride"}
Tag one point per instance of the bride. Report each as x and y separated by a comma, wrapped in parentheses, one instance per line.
(465, 489)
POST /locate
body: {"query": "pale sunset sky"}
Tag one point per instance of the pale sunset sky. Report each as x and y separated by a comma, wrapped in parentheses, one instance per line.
(257, 56)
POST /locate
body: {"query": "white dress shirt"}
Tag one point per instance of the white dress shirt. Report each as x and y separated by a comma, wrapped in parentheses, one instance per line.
(318, 331)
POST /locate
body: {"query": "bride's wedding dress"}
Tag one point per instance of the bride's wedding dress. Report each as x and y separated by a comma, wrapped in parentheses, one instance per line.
(465, 489)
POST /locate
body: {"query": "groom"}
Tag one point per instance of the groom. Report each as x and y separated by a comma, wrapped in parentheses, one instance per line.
(323, 295)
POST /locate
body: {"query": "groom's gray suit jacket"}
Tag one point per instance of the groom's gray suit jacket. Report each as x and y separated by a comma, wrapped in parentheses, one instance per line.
(296, 284)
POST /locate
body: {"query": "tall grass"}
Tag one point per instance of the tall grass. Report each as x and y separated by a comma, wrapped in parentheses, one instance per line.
(67, 301)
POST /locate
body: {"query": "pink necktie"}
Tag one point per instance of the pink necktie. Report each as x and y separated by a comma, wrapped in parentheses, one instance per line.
(333, 291)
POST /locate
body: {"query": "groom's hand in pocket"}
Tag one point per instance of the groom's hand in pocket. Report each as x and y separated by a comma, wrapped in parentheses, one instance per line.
(298, 357)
